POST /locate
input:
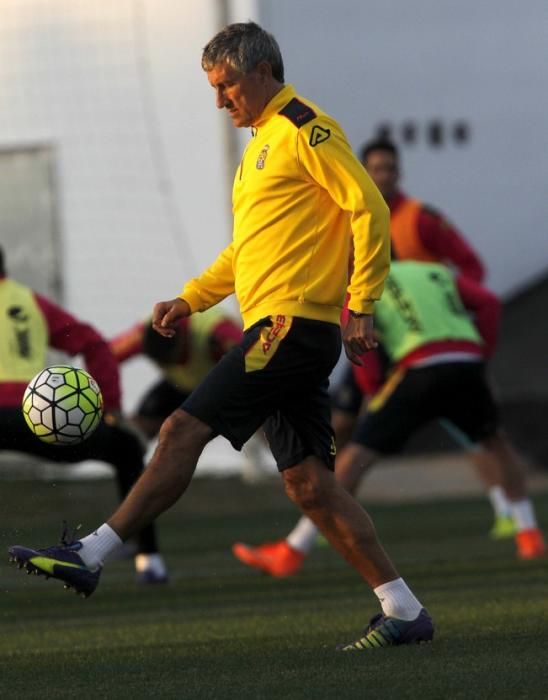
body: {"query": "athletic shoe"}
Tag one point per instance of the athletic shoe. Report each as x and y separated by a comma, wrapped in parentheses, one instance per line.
(390, 631)
(151, 569)
(503, 527)
(275, 558)
(61, 561)
(530, 544)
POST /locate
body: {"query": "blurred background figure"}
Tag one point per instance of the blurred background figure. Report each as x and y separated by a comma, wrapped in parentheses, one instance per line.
(419, 232)
(430, 365)
(29, 325)
(184, 360)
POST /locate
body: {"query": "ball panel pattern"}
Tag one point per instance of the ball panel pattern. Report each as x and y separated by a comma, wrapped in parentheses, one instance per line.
(62, 405)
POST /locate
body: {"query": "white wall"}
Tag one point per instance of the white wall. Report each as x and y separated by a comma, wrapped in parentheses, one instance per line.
(484, 61)
(117, 89)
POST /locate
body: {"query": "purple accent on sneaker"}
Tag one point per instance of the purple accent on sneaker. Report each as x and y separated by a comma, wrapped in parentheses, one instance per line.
(421, 629)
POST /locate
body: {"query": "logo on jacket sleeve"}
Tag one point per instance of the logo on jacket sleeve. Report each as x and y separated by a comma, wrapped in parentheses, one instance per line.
(262, 157)
(319, 135)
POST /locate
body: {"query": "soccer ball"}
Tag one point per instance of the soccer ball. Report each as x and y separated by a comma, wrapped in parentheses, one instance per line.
(62, 405)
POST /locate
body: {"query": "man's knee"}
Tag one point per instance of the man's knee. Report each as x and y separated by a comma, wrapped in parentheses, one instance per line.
(180, 429)
(308, 483)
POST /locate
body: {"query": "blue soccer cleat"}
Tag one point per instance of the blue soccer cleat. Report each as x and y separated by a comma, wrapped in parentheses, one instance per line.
(389, 631)
(61, 561)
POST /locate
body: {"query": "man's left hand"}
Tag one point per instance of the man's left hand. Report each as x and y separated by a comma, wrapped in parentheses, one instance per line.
(359, 337)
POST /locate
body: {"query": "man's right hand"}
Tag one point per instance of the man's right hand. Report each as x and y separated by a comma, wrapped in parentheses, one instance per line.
(166, 314)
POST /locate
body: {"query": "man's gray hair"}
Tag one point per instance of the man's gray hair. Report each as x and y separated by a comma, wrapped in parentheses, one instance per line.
(243, 46)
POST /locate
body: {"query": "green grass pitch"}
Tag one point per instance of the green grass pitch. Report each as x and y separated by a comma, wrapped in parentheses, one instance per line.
(219, 630)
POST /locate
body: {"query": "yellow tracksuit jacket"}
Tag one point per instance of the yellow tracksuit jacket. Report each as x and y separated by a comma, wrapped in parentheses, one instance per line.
(299, 195)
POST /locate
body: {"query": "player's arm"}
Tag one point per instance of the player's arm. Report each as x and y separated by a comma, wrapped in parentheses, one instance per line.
(213, 285)
(444, 241)
(199, 294)
(72, 336)
(333, 165)
(485, 308)
(129, 343)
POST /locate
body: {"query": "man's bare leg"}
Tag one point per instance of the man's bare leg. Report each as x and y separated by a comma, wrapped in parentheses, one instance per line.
(78, 563)
(181, 441)
(349, 529)
(500, 463)
(352, 463)
(351, 532)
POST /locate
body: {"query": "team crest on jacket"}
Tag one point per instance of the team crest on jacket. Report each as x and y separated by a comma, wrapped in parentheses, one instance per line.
(319, 135)
(262, 157)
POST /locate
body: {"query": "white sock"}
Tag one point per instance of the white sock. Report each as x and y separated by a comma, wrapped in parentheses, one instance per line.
(97, 546)
(154, 562)
(499, 501)
(523, 514)
(397, 600)
(304, 535)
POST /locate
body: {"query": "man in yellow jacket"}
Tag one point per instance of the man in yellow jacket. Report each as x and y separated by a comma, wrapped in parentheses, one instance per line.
(300, 198)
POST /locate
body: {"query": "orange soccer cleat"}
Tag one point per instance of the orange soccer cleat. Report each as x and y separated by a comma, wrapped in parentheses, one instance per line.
(530, 544)
(275, 558)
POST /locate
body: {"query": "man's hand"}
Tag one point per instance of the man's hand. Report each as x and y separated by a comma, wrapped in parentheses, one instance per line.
(359, 337)
(166, 314)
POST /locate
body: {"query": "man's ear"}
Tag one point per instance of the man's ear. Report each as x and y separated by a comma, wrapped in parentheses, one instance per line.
(264, 69)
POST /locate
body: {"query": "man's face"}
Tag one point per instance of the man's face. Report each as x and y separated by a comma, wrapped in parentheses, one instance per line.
(382, 167)
(243, 96)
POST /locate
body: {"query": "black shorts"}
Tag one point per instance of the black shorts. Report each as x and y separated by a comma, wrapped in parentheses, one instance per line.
(409, 399)
(161, 400)
(347, 396)
(277, 376)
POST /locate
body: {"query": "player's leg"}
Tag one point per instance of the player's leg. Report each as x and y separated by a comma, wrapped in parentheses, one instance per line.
(181, 441)
(473, 410)
(79, 563)
(222, 404)
(529, 539)
(285, 557)
(302, 441)
(394, 414)
(316, 490)
(488, 471)
(115, 443)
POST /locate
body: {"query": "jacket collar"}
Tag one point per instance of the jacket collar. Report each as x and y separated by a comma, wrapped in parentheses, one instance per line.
(278, 102)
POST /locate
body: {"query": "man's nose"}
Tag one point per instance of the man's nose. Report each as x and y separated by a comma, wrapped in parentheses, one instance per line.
(220, 99)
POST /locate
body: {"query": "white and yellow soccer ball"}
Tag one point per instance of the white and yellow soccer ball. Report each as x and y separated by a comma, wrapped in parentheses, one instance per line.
(62, 405)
